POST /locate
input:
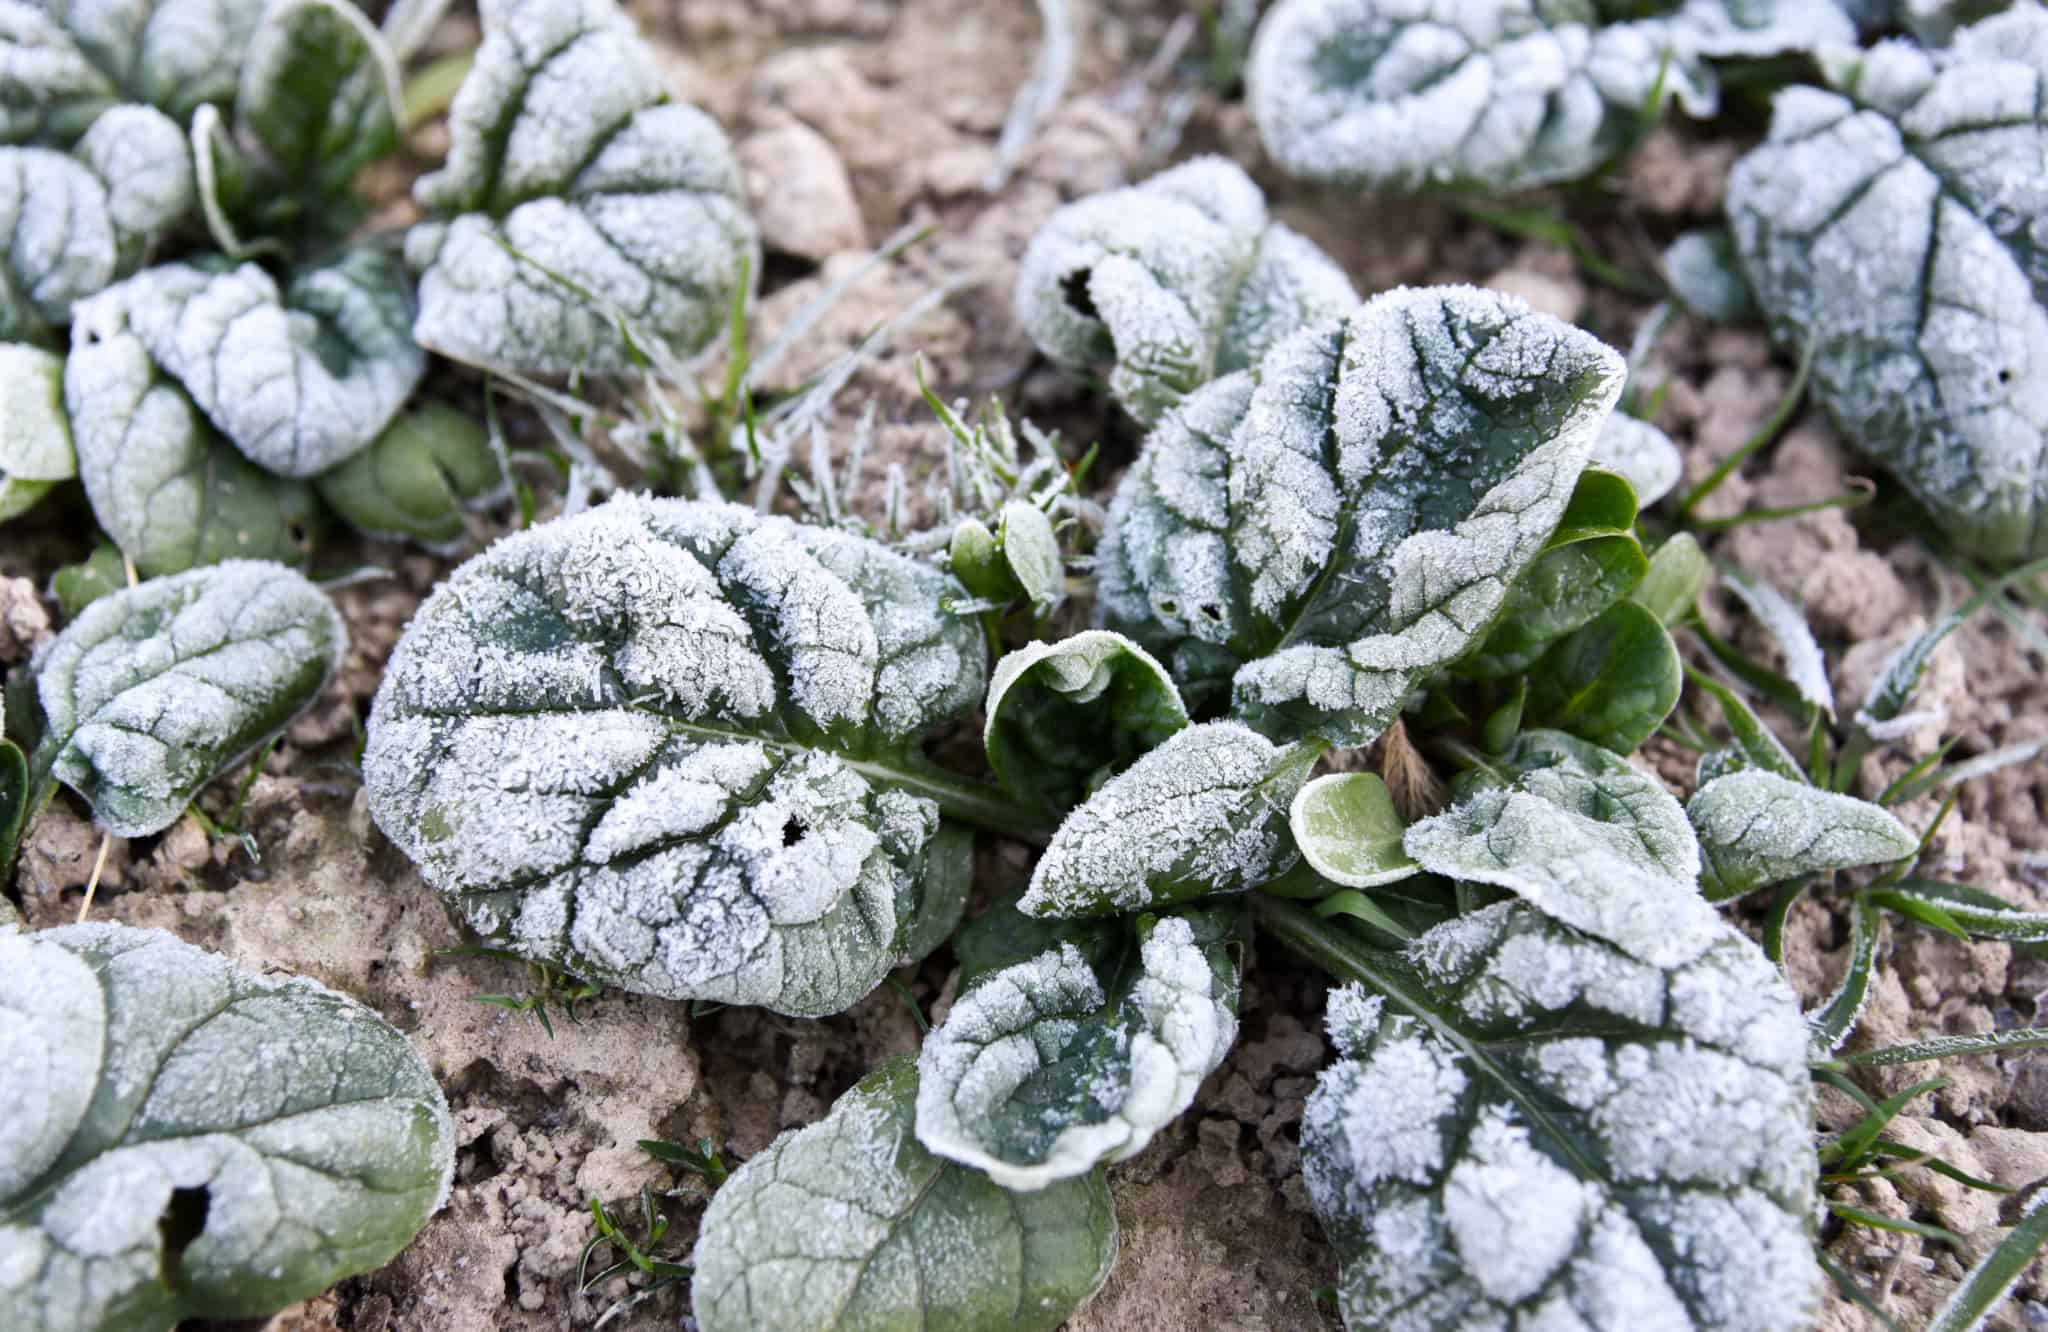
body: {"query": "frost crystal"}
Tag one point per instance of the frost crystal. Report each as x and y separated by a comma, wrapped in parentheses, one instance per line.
(1172, 283)
(143, 1072)
(576, 196)
(850, 1223)
(1499, 1168)
(664, 744)
(1641, 453)
(1350, 515)
(1758, 828)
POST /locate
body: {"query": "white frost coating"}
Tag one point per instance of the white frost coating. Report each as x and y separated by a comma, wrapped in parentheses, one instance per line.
(1641, 453)
(1033, 1080)
(851, 1223)
(142, 158)
(653, 744)
(35, 433)
(1757, 828)
(1205, 812)
(1460, 1190)
(1413, 94)
(575, 195)
(1172, 283)
(317, 1134)
(61, 246)
(156, 689)
(1585, 838)
(1896, 226)
(166, 53)
(319, 90)
(299, 380)
(1786, 623)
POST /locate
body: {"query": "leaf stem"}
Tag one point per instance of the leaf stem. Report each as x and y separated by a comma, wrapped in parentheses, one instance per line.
(1795, 393)
(981, 804)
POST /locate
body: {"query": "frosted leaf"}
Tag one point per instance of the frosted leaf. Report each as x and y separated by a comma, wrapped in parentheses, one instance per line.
(1205, 812)
(163, 483)
(1804, 665)
(1757, 828)
(62, 63)
(49, 90)
(1640, 452)
(61, 245)
(1706, 276)
(1497, 95)
(1896, 226)
(298, 379)
(849, 1223)
(1172, 283)
(319, 90)
(1048, 1066)
(575, 196)
(35, 434)
(1573, 1138)
(1584, 837)
(155, 690)
(1064, 716)
(183, 1140)
(1349, 516)
(418, 478)
(670, 746)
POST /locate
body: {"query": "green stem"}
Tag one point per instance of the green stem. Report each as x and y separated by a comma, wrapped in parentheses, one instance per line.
(1767, 432)
(981, 804)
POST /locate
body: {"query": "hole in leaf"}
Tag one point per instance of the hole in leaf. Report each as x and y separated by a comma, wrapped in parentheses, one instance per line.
(183, 1221)
(1211, 612)
(1074, 286)
(2005, 375)
(1167, 606)
(792, 830)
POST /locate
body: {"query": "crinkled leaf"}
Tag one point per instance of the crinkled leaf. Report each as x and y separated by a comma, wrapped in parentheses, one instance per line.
(1347, 829)
(1350, 516)
(850, 1224)
(1757, 828)
(1063, 716)
(61, 245)
(76, 586)
(1205, 812)
(1500, 94)
(319, 91)
(1706, 276)
(668, 745)
(1612, 682)
(164, 485)
(298, 379)
(1677, 573)
(1048, 1066)
(1172, 283)
(418, 478)
(1584, 837)
(1570, 1136)
(67, 63)
(1805, 667)
(49, 90)
(575, 196)
(155, 690)
(141, 156)
(182, 1139)
(1895, 225)
(1641, 453)
(35, 433)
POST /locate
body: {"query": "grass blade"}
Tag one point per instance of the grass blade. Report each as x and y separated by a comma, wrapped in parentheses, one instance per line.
(1986, 1284)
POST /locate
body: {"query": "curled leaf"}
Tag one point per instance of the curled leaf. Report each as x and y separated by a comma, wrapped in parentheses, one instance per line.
(35, 433)
(1061, 715)
(1757, 828)
(418, 478)
(1349, 832)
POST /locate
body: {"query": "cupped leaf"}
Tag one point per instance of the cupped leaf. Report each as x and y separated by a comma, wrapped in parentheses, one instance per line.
(1612, 682)
(1706, 276)
(1584, 837)
(1063, 717)
(1020, 560)
(913, 1241)
(1757, 828)
(155, 690)
(35, 432)
(1534, 1128)
(1172, 283)
(1348, 830)
(1350, 516)
(1641, 453)
(298, 379)
(182, 1139)
(319, 90)
(1205, 812)
(670, 746)
(1894, 225)
(1499, 95)
(140, 156)
(164, 485)
(1046, 1067)
(580, 211)
(418, 478)
(60, 246)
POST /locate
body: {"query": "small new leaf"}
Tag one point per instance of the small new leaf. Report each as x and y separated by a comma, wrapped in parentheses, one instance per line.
(1347, 829)
(1612, 682)
(418, 478)
(1063, 717)
(1757, 828)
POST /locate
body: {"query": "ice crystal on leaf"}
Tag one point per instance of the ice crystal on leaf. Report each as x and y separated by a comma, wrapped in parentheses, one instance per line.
(668, 745)
(1758, 828)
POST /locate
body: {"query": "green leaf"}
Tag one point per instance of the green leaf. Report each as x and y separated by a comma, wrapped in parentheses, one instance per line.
(1754, 744)
(1893, 224)
(976, 559)
(1347, 828)
(1583, 837)
(1642, 454)
(942, 892)
(1349, 517)
(670, 746)
(1603, 504)
(15, 798)
(1757, 828)
(319, 91)
(1678, 572)
(1063, 715)
(173, 55)
(77, 586)
(913, 1242)
(1205, 812)
(1069, 1058)
(155, 690)
(1172, 283)
(1985, 1285)
(1526, 1123)
(429, 467)
(164, 485)
(1972, 910)
(576, 200)
(186, 1140)
(1837, 1016)
(35, 433)
(1612, 682)
(1566, 588)
(1032, 554)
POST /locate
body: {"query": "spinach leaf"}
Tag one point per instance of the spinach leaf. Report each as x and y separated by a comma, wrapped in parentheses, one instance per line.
(1641, 453)
(1020, 559)
(418, 478)
(1612, 682)
(1347, 829)
(1758, 828)
(1065, 716)
(83, 55)
(913, 1240)
(35, 434)
(182, 1139)
(319, 91)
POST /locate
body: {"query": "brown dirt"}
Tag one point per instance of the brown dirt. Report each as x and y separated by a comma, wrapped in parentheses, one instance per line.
(888, 113)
